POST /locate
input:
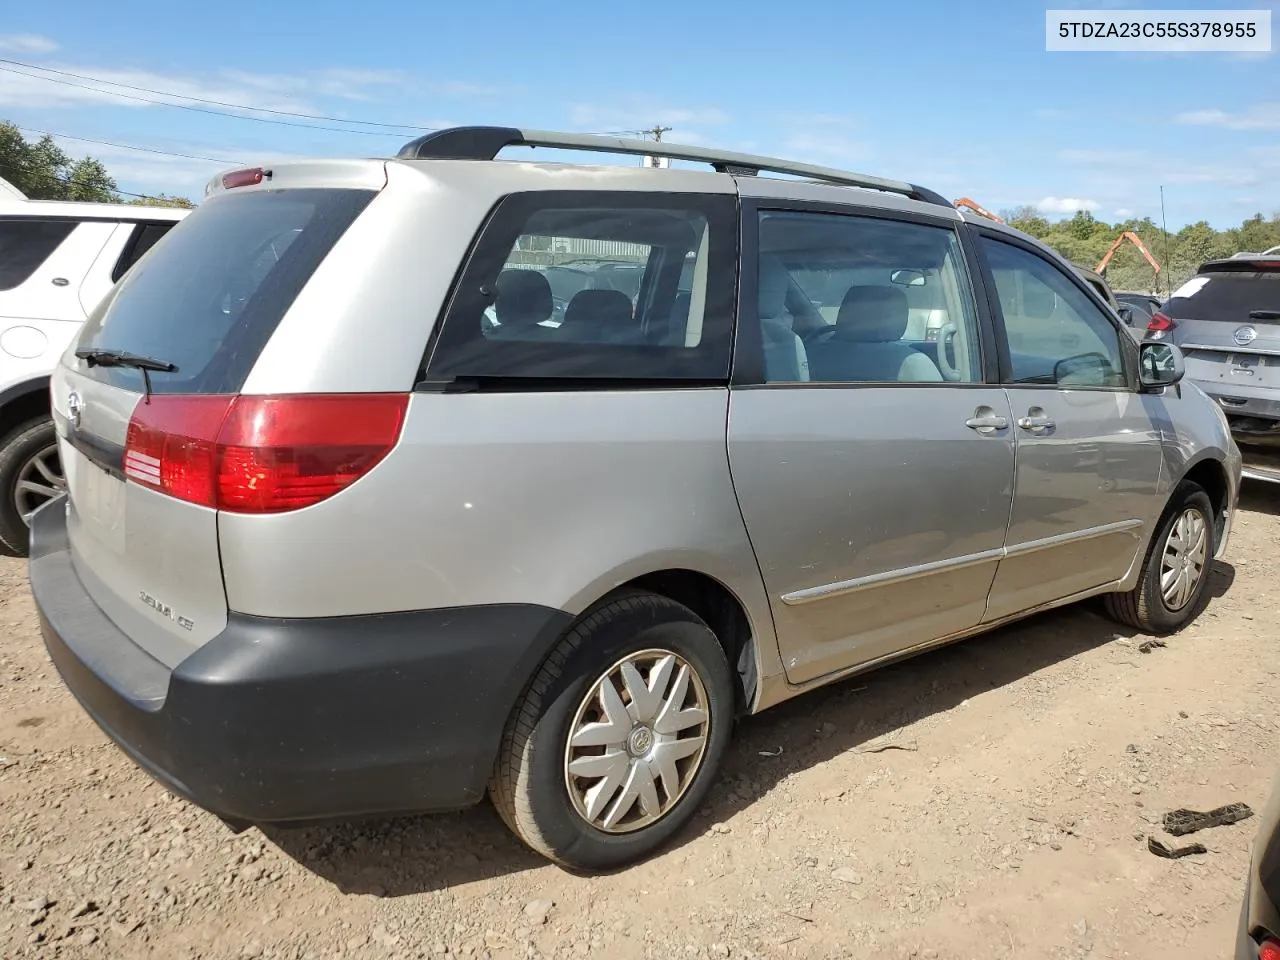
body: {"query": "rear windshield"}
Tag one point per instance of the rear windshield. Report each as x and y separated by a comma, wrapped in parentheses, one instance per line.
(210, 296)
(1228, 297)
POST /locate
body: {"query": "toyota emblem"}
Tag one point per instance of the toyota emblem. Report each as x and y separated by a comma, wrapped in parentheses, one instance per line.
(1244, 335)
(74, 408)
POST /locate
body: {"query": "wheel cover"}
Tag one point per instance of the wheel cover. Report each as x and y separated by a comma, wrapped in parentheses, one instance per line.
(1182, 563)
(39, 481)
(637, 741)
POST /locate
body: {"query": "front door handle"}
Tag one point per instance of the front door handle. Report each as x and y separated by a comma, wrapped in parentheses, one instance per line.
(987, 423)
(1035, 424)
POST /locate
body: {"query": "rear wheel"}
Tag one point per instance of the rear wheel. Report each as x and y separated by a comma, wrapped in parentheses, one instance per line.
(618, 737)
(1172, 587)
(30, 476)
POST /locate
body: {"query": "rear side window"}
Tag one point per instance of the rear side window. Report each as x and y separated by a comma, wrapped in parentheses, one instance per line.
(595, 286)
(143, 239)
(1229, 296)
(25, 244)
(215, 290)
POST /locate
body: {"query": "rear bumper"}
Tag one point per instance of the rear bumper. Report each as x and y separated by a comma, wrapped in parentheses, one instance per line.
(1248, 403)
(277, 721)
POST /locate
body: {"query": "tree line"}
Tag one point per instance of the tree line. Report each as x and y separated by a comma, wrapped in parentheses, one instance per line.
(43, 171)
(1084, 240)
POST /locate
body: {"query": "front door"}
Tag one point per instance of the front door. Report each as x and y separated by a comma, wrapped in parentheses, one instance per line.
(1089, 455)
(872, 464)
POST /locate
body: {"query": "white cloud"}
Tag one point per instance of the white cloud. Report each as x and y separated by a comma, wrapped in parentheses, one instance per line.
(821, 147)
(1124, 213)
(1066, 205)
(290, 93)
(1262, 116)
(26, 43)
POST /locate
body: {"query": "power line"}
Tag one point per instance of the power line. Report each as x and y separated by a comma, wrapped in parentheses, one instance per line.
(128, 146)
(392, 130)
(194, 109)
(216, 103)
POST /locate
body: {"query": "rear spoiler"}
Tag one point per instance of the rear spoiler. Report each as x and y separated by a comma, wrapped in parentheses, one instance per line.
(1258, 263)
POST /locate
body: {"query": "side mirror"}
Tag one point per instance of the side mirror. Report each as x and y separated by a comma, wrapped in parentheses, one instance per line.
(1160, 365)
(1126, 314)
(1086, 370)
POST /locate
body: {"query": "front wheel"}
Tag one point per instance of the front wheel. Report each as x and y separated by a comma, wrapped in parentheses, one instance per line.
(618, 737)
(1172, 587)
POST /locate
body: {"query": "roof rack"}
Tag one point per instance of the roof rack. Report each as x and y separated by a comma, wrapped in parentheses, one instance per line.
(485, 143)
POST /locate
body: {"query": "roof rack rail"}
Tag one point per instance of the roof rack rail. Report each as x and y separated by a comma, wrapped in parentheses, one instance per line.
(485, 143)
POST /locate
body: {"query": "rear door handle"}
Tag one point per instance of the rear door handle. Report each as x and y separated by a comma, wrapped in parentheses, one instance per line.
(987, 423)
(1035, 423)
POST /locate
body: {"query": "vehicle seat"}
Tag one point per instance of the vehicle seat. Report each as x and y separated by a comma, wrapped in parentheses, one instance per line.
(785, 358)
(867, 345)
(523, 302)
(598, 316)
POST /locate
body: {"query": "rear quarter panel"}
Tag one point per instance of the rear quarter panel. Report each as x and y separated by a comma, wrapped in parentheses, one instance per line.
(545, 498)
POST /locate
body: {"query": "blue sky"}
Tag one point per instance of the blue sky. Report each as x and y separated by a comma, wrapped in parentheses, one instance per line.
(957, 96)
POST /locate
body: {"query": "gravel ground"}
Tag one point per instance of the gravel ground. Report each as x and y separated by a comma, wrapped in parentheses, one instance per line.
(1011, 822)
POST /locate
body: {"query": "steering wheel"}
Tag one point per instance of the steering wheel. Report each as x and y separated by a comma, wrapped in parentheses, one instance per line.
(946, 334)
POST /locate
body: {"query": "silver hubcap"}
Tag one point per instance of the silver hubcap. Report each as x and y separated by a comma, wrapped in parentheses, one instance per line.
(637, 741)
(1185, 554)
(39, 481)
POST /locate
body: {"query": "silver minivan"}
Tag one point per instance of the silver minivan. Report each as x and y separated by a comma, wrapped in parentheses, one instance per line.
(351, 528)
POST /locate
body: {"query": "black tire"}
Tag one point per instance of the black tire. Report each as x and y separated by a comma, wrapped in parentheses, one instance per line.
(17, 450)
(529, 787)
(1144, 607)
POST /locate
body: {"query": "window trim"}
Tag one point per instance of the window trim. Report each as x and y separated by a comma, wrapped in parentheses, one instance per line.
(748, 354)
(1128, 348)
(493, 241)
(131, 244)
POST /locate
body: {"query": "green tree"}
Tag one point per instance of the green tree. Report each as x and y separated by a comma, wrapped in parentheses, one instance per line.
(43, 171)
(162, 200)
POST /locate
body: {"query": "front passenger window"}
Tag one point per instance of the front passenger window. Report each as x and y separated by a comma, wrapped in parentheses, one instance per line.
(1056, 334)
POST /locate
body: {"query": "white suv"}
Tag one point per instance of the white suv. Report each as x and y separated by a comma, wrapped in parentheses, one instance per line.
(57, 262)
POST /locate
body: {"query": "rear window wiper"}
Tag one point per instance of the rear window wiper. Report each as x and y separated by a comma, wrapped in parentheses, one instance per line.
(1264, 314)
(98, 357)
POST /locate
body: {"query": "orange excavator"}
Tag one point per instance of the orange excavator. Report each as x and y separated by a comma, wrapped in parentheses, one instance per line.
(1137, 242)
(977, 208)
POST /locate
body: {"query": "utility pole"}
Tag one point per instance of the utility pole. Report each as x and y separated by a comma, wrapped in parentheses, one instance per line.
(656, 131)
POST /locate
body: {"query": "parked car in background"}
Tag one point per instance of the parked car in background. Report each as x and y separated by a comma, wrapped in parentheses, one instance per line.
(1226, 319)
(571, 558)
(1148, 303)
(57, 261)
(1258, 934)
(1103, 289)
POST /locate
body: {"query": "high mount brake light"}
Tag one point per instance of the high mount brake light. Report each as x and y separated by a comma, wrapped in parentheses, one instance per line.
(260, 454)
(244, 178)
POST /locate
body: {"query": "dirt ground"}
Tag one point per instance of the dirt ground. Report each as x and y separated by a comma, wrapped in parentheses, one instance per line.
(1012, 822)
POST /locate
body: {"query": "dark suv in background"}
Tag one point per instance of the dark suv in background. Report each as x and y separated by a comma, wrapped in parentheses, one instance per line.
(1226, 319)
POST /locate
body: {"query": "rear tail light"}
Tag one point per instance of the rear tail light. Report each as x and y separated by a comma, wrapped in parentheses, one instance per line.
(260, 454)
(1269, 949)
(1159, 323)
